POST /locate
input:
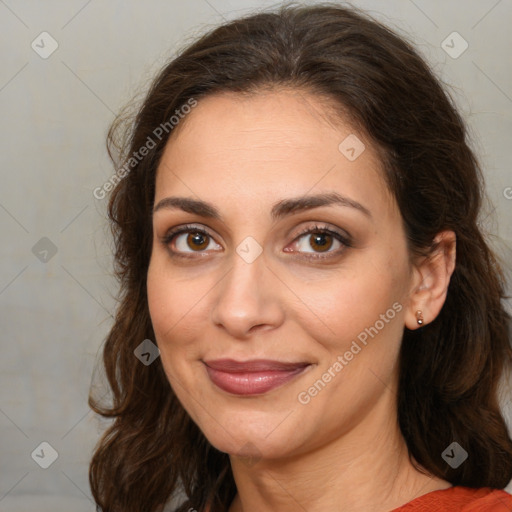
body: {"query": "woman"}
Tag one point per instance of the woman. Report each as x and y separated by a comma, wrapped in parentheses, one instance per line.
(296, 230)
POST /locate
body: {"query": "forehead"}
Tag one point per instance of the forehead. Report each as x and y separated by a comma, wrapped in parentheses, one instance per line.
(280, 119)
(266, 144)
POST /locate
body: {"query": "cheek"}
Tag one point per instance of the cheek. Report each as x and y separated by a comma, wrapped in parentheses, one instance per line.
(178, 302)
(161, 298)
(349, 305)
(360, 334)
(170, 300)
(172, 304)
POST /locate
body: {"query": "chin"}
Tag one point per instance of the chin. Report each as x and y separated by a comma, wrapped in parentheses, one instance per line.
(267, 425)
(254, 434)
(251, 447)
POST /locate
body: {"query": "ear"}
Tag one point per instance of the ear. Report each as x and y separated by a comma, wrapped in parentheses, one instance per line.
(431, 277)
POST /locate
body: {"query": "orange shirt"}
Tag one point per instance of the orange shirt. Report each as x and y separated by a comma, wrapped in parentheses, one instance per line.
(460, 499)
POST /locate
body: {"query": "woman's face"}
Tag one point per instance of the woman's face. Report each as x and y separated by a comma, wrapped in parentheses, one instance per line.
(291, 259)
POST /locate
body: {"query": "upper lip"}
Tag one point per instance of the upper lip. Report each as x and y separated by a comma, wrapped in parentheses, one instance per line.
(253, 365)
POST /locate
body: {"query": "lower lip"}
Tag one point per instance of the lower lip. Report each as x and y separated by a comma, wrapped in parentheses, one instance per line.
(252, 383)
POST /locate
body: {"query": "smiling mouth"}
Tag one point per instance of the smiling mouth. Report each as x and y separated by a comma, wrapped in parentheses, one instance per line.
(254, 377)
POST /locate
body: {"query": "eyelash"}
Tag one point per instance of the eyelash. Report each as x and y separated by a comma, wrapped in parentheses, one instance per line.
(188, 228)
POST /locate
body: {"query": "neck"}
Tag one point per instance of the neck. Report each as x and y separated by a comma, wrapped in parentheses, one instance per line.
(365, 469)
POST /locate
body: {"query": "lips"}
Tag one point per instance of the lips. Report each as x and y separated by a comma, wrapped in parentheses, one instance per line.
(253, 377)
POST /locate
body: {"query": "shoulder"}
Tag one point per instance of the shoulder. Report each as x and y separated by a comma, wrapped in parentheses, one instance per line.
(461, 499)
(492, 500)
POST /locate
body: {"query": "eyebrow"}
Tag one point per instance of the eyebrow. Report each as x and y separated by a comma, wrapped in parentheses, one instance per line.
(279, 210)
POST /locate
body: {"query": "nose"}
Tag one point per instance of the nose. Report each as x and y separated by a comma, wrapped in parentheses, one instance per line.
(247, 299)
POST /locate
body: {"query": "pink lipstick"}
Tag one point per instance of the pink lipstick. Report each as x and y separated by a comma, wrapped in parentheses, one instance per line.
(253, 377)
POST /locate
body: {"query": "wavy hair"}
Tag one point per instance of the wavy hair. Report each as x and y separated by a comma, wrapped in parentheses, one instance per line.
(450, 369)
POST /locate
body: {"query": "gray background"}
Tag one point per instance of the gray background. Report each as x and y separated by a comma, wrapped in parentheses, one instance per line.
(55, 314)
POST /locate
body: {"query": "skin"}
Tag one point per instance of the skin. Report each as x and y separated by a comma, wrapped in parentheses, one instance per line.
(343, 449)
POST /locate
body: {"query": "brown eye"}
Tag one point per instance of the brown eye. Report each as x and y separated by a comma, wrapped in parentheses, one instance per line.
(187, 240)
(197, 241)
(320, 242)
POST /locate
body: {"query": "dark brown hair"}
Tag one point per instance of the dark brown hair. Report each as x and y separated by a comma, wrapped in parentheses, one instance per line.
(449, 370)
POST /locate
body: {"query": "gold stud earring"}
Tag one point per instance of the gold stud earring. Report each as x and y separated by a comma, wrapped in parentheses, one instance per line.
(419, 317)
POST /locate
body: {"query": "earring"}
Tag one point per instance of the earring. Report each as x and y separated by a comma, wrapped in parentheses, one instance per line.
(419, 317)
